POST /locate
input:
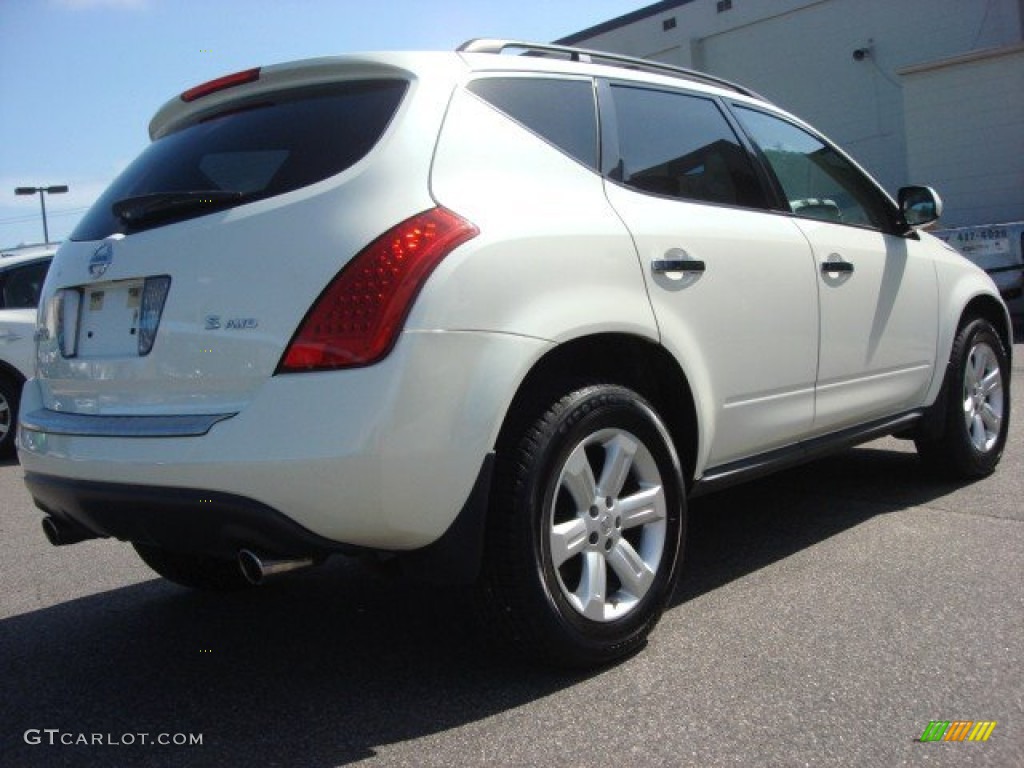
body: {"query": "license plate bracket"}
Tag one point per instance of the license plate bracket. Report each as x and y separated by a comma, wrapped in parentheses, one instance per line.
(108, 323)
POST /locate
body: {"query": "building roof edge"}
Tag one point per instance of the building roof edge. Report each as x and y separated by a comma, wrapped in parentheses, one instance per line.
(621, 21)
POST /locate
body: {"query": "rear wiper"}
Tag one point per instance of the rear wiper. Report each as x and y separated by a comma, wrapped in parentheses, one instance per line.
(165, 205)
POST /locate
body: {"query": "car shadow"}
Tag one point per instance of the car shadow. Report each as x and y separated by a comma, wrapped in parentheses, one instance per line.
(327, 666)
(743, 529)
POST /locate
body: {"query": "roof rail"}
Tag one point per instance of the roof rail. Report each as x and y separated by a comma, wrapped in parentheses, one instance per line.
(489, 45)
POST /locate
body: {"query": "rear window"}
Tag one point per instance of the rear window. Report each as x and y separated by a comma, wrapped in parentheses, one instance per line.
(270, 145)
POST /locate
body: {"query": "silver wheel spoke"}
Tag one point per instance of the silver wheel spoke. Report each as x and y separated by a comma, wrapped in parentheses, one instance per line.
(970, 375)
(978, 431)
(635, 575)
(578, 479)
(991, 419)
(642, 508)
(992, 382)
(980, 360)
(619, 453)
(593, 589)
(567, 540)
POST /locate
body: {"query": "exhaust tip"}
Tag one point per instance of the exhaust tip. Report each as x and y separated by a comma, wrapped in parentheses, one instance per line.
(60, 533)
(251, 566)
(256, 568)
(51, 531)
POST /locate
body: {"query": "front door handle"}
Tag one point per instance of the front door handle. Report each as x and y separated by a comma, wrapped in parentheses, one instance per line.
(831, 267)
(677, 265)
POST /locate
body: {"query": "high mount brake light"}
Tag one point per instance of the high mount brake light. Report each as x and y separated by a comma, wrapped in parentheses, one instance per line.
(357, 318)
(221, 83)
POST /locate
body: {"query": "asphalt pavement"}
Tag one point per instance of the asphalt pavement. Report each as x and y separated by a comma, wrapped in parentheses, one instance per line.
(827, 615)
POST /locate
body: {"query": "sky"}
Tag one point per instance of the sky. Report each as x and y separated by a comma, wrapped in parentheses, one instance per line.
(80, 79)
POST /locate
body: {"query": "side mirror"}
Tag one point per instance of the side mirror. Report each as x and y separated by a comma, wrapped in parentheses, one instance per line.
(920, 205)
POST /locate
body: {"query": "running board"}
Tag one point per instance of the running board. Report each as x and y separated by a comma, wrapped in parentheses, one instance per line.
(740, 471)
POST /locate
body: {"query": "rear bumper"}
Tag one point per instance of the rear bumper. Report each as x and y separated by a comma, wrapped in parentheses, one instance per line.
(381, 458)
(180, 519)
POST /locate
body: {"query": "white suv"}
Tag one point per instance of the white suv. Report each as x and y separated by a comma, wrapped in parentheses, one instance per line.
(496, 316)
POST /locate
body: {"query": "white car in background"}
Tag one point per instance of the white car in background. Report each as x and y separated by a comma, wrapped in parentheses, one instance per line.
(22, 272)
(497, 317)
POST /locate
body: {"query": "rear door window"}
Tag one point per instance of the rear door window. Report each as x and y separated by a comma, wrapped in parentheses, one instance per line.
(268, 145)
(562, 112)
(681, 145)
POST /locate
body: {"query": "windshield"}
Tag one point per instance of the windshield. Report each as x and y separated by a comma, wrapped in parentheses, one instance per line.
(267, 146)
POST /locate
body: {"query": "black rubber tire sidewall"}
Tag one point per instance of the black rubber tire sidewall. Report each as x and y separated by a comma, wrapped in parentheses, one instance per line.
(11, 392)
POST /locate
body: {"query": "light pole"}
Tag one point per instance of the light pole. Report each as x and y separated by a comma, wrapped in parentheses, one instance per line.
(43, 191)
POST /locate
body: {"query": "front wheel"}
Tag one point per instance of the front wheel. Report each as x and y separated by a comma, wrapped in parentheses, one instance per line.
(586, 529)
(977, 403)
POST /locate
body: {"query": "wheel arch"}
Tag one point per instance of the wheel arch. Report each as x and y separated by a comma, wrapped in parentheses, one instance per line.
(9, 371)
(991, 309)
(980, 305)
(617, 358)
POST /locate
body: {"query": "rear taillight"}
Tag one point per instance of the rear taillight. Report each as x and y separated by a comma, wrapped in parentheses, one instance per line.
(357, 318)
(228, 81)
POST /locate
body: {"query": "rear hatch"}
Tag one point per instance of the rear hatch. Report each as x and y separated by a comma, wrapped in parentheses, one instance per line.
(181, 287)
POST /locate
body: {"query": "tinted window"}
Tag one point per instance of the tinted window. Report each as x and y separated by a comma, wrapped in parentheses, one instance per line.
(20, 286)
(682, 146)
(262, 148)
(560, 111)
(818, 182)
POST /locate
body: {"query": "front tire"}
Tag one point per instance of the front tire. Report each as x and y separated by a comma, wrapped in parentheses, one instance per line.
(585, 531)
(977, 406)
(194, 571)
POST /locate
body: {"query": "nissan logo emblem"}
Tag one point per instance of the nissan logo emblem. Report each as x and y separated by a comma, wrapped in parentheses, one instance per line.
(101, 259)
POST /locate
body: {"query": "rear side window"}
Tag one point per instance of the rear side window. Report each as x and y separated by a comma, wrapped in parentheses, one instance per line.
(561, 112)
(270, 145)
(682, 146)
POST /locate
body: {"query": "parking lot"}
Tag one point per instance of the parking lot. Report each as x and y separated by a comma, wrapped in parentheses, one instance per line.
(827, 615)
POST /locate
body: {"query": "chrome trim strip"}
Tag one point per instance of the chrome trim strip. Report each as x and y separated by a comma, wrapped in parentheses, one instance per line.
(87, 425)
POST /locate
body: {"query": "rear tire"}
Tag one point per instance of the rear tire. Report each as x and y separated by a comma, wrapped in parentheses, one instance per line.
(10, 396)
(192, 570)
(977, 406)
(585, 531)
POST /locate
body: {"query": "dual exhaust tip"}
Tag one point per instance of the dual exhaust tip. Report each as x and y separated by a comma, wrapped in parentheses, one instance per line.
(255, 568)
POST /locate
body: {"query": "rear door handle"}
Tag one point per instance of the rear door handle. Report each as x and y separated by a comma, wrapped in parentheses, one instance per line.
(677, 260)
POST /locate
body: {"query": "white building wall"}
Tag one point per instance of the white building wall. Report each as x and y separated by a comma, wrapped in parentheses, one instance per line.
(799, 54)
(965, 129)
